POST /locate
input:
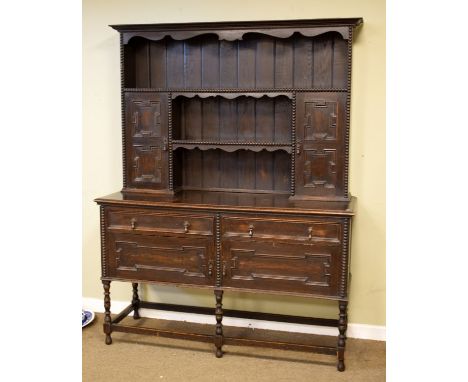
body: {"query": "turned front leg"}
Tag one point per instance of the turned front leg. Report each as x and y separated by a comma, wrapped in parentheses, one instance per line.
(107, 317)
(342, 326)
(219, 325)
(135, 301)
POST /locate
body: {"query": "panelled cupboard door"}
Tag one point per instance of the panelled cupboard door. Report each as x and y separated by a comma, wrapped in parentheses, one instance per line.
(146, 140)
(275, 265)
(159, 258)
(320, 144)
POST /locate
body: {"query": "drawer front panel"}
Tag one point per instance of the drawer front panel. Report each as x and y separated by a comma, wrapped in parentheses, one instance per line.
(180, 260)
(281, 266)
(313, 231)
(141, 221)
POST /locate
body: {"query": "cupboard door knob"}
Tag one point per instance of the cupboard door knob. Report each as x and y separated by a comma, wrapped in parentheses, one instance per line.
(133, 223)
(164, 144)
(310, 233)
(251, 227)
(224, 269)
(210, 268)
(186, 226)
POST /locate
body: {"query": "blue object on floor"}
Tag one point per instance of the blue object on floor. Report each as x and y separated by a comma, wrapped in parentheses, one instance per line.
(86, 317)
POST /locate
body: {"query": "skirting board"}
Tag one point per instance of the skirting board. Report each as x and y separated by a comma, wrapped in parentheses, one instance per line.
(361, 331)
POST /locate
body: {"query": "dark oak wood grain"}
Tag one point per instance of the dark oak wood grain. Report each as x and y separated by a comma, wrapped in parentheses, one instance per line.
(235, 157)
(232, 201)
(236, 30)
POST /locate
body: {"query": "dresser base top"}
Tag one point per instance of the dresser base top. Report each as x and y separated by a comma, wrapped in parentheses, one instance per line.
(232, 201)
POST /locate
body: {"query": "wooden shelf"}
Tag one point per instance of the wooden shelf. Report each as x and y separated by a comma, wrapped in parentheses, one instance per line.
(231, 146)
(239, 91)
(231, 95)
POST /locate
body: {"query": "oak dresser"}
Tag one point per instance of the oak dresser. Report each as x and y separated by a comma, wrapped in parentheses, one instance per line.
(235, 143)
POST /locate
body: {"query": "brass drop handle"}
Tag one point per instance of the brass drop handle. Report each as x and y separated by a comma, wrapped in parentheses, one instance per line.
(210, 268)
(224, 269)
(164, 144)
(133, 223)
(186, 226)
(251, 227)
(310, 233)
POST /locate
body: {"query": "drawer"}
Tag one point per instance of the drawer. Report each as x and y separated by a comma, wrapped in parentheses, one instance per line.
(279, 228)
(141, 221)
(281, 266)
(169, 259)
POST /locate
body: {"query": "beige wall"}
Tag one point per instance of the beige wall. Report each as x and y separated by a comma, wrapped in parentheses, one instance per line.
(102, 145)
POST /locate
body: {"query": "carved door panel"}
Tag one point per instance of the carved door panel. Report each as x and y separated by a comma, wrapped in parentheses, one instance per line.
(169, 259)
(320, 137)
(280, 266)
(147, 140)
